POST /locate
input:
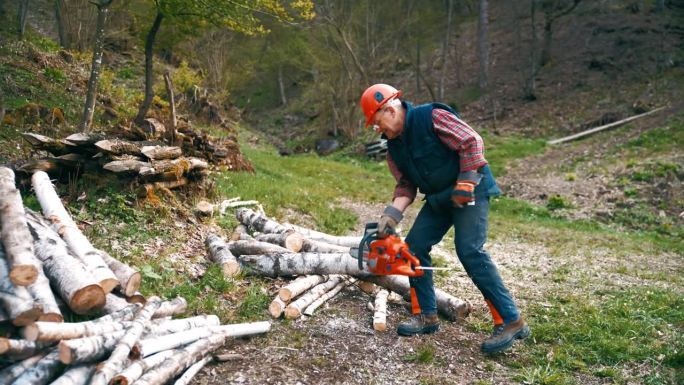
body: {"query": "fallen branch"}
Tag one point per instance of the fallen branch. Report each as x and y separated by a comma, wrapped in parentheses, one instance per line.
(20, 349)
(16, 300)
(137, 368)
(300, 285)
(295, 309)
(76, 375)
(241, 248)
(192, 371)
(289, 240)
(259, 222)
(327, 296)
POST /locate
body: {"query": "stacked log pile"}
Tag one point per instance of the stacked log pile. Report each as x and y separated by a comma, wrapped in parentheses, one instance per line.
(50, 271)
(322, 266)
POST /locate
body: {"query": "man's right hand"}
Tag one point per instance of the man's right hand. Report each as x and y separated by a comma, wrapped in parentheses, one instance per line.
(389, 220)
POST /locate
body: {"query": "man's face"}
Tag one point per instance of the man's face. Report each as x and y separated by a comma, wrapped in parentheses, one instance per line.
(388, 121)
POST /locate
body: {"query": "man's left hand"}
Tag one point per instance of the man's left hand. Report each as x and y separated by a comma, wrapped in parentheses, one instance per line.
(464, 193)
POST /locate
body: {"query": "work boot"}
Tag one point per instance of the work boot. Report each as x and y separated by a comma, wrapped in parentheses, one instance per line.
(503, 336)
(419, 324)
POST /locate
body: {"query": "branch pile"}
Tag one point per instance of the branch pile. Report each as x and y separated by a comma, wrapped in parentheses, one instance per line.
(50, 271)
(322, 266)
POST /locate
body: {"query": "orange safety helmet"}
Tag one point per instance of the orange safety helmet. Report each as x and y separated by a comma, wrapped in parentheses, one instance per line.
(374, 97)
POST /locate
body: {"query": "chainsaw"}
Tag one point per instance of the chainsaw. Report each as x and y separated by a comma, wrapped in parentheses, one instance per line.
(387, 256)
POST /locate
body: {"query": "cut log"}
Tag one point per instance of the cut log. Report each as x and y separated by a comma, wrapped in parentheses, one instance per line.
(240, 233)
(327, 296)
(295, 309)
(83, 139)
(259, 221)
(129, 278)
(178, 166)
(161, 152)
(68, 275)
(176, 306)
(138, 367)
(300, 285)
(368, 287)
(450, 307)
(114, 303)
(291, 264)
(41, 142)
(228, 203)
(20, 349)
(164, 327)
(136, 297)
(49, 165)
(220, 254)
(277, 307)
(115, 363)
(42, 371)
(88, 349)
(325, 238)
(147, 189)
(310, 246)
(291, 241)
(42, 296)
(192, 371)
(23, 265)
(63, 224)
(16, 300)
(119, 147)
(10, 373)
(240, 248)
(129, 166)
(380, 307)
(76, 375)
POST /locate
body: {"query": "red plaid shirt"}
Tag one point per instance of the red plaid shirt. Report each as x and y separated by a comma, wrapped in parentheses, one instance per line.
(458, 136)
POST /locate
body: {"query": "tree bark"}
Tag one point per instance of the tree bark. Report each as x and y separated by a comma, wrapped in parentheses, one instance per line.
(114, 303)
(445, 50)
(327, 296)
(61, 30)
(289, 240)
(126, 166)
(172, 105)
(23, 265)
(16, 300)
(96, 64)
(130, 374)
(192, 371)
(41, 142)
(88, 349)
(314, 235)
(21, 17)
(149, 61)
(129, 278)
(259, 222)
(299, 286)
(292, 264)
(115, 363)
(241, 248)
(530, 84)
(380, 308)
(161, 152)
(483, 45)
(281, 86)
(119, 147)
(176, 306)
(310, 246)
(76, 375)
(21, 349)
(42, 371)
(42, 296)
(240, 233)
(220, 254)
(65, 226)
(68, 276)
(52, 331)
(10, 373)
(295, 309)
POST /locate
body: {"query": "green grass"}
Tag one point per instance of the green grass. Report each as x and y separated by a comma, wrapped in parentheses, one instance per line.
(500, 150)
(424, 354)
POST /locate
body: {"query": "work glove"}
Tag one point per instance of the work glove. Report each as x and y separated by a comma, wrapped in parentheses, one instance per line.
(389, 220)
(464, 189)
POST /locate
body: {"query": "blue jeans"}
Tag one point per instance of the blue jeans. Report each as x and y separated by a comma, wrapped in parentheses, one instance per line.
(470, 234)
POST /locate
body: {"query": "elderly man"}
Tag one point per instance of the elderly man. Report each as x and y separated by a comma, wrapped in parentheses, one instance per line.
(432, 150)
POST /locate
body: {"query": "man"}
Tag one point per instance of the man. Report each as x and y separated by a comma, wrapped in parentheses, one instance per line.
(432, 150)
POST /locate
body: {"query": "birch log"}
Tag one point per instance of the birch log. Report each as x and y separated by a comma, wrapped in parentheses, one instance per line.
(327, 296)
(259, 221)
(20, 349)
(10, 373)
(16, 300)
(129, 278)
(313, 235)
(291, 264)
(247, 247)
(321, 247)
(127, 166)
(23, 265)
(119, 147)
(176, 306)
(88, 349)
(138, 367)
(276, 307)
(42, 371)
(220, 254)
(240, 233)
(295, 309)
(62, 223)
(52, 331)
(76, 375)
(300, 285)
(289, 240)
(68, 276)
(42, 296)
(192, 371)
(380, 307)
(109, 368)
(136, 297)
(114, 303)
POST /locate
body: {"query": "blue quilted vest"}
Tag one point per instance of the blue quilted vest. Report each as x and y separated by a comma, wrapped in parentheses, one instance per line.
(426, 161)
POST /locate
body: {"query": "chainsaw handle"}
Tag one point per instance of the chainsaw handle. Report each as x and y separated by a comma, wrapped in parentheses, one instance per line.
(411, 258)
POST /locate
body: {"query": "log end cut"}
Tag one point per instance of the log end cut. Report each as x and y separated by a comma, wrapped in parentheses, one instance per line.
(231, 269)
(292, 312)
(132, 285)
(23, 275)
(285, 294)
(380, 326)
(65, 353)
(294, 242)
(108, 284)
(88, 300)
(27, 317)
(51, 317)
(276, 308)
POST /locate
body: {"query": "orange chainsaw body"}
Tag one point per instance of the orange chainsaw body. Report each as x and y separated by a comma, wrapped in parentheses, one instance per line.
(391, 255)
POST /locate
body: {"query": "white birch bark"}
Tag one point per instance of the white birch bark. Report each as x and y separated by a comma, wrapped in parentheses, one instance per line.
(23, 265)
(253, 247)
(8, 374)
(346, 241)
(220, 254)
(300, 285)
(16, 300)
(42, 371)
(109, 368)
(52, 331)
(259, 222)
(136, 369)
(42, 296)
(114, 303)
(321, 247)
(289, 240)
(380, 314)
(327, 296)
(129, 278)
(20, 349)
(295, 309)
(173, 307)
(240, 233)
(291, 264)
(68, 275)
(63, 224)
(88, 349)
(192, 371)
(76, 375)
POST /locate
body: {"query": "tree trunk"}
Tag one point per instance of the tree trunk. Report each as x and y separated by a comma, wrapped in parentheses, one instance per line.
(219, 253)
(172, 106)
(96, 64)
(65, 226)
(325, 297)
(21, 17)
(259, 221)
(61, 29)
(289, 240)
(129, 278)
(281, 86)
(76, 375)
(52, 331)
(291, 264)
(23, 265)
(310, 246)
(295, 309)
(42, 372)
(240, 248)
(530, 84)
(445, 50)
(130, 374)
(20, 349)
(192, 371)
(483, 45)
(115, 363)
(380, 308)
(67, 275)
(299, 286)
(545, 56)
(149, 74)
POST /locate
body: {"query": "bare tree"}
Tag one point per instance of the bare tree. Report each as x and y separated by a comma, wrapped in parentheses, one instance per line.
(149, 64)
(22, 11)
(96, 64)
(530, 85)
(483, 45)
(61, 28)
(445, 49)
(553, 10)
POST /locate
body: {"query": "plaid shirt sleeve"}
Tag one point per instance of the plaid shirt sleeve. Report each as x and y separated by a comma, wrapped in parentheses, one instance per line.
(458, 136)
(404, 187)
